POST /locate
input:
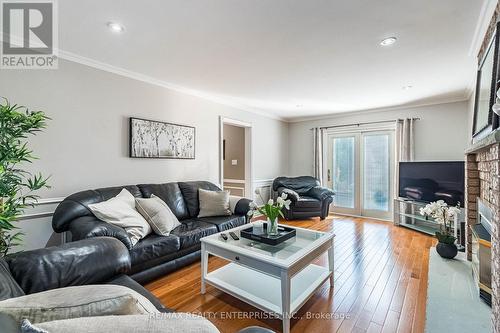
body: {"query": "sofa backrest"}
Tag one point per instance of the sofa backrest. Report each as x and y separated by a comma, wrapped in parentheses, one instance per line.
(77, 204)
(171, 194)
(190, 193)
(182, 198)
(301, 184)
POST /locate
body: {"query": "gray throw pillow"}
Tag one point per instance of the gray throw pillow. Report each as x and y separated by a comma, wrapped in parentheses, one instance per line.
(159, 323)
(213, 203)
(158, 214)
(75, 302)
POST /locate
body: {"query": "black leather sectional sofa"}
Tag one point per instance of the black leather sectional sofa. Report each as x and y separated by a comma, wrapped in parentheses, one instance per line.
(154, 255)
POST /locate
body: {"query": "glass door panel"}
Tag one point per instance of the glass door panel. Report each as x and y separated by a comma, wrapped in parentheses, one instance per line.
(376, 174)
(342, 173)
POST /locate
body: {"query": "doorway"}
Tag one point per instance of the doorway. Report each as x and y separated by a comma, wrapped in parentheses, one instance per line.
(361, 171)
(236, 157)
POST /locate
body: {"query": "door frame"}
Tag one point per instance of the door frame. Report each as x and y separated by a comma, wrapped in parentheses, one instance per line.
(248, 152)
(357, 131)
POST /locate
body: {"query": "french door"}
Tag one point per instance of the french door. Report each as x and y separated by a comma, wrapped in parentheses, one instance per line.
(360, 172)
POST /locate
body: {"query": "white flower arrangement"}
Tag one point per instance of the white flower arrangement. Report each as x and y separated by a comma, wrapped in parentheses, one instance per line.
(445, 216)
(271, 209)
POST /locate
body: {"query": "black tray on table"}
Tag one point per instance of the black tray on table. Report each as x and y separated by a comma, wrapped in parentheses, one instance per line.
(260, 234)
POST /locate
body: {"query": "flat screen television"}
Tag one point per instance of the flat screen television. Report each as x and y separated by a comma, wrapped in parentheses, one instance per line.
(432, 181)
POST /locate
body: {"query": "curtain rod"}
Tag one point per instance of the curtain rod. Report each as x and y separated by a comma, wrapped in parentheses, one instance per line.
(365, 123)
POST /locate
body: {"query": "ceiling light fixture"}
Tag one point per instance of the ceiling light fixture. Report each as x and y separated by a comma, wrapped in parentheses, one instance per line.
(388, 41)
(299, 105)
(115, 27)
(407, 87)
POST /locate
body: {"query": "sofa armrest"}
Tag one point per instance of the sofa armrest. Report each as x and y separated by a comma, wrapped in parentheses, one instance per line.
(89, 261)
(89, 226)
(239, 205)
(320, 193)
(290, 194)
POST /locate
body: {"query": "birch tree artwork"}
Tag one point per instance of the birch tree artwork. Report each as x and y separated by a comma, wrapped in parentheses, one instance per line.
(156, 139)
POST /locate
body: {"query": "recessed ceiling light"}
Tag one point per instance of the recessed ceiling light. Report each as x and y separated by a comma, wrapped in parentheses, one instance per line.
(388, 41)
(299, 105)
(115, 27)
(407, 87)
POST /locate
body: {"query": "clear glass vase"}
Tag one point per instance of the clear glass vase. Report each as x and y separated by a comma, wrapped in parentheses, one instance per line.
(272, 227)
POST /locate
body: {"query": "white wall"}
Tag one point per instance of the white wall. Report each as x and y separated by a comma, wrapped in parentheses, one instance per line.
(439, 134)
(86, 143)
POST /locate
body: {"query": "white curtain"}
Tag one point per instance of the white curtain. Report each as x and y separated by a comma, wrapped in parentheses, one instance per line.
(405, 143)
(405, 146)
(318, 140)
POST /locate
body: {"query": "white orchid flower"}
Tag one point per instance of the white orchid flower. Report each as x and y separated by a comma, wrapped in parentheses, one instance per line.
(270, 202)
(287, 204)
(280, 201)
(284, 195)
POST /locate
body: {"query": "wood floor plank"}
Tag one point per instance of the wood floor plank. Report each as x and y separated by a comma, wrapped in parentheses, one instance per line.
(380, 281)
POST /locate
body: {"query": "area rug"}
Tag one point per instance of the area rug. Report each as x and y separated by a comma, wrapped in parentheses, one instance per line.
(453, 303)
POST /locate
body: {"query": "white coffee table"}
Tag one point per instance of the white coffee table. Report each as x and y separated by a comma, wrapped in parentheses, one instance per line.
(277, 279)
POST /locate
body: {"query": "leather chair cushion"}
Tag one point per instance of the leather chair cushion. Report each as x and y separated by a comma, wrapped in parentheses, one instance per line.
(225, 222)
(191, 231)
(8, 286)
(307, 202)
(171, 194)
(154, 246)
(173, 258)
(190, 192)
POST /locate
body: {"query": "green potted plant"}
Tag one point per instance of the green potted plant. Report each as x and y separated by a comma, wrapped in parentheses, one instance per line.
(445, 216)
(272, 210)
(17, 185)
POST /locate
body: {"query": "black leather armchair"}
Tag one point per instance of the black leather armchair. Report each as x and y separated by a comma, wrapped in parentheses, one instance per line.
(309, 199)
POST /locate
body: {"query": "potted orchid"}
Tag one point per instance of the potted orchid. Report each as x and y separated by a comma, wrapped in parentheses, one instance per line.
(445, 216)
(272, 210)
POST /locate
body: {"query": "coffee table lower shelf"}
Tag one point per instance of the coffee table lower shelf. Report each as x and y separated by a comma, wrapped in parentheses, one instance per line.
(264, 291)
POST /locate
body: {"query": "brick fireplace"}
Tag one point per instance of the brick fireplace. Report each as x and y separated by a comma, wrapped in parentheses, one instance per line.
(483, 180)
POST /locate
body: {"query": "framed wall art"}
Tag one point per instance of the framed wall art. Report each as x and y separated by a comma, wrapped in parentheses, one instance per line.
(156, 139)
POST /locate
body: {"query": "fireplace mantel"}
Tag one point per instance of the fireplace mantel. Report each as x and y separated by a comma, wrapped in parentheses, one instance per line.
(491, 139)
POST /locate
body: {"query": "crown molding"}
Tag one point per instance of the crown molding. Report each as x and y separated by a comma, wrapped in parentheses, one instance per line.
(69, 56)
(382, 109)
(483, 22)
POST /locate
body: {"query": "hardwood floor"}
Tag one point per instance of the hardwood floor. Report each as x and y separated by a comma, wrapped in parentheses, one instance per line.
(380, 284)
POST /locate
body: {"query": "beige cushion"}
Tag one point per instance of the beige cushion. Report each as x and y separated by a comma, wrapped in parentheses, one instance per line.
(75, 302)
(160, 323)
(121, 212)
(158, 214)
(213, 203)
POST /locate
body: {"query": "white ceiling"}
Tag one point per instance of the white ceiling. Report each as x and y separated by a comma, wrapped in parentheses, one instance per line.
(272, 55)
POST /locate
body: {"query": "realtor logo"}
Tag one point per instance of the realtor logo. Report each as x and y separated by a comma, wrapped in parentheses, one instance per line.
(29, 34)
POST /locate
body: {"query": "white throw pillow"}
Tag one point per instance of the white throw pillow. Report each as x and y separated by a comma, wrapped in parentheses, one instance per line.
(76, 302)
(158, 215)
(121, 212)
